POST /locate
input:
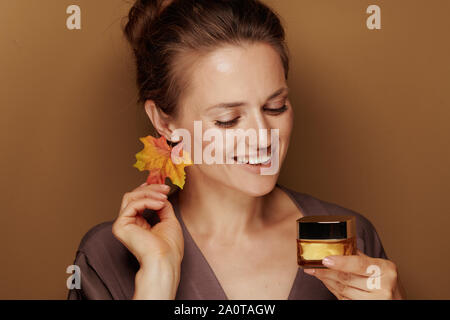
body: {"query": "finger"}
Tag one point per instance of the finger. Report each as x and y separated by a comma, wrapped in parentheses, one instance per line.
(167, 214)
(356, 264)
(154, 186)
(164, 209)
(161, 188)
(133, 208)
(347, 291)
(142, 193)
(348, 279)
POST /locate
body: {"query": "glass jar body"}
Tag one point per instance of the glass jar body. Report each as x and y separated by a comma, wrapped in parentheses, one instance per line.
(311, 252)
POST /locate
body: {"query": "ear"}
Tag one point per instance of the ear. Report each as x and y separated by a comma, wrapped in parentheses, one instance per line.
(161, 121)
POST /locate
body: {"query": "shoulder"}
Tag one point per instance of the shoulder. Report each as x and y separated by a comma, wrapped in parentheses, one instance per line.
(98, 235)
(311, 205)
(320, 206)
(99, 245)
(367, 236)
(107, 267)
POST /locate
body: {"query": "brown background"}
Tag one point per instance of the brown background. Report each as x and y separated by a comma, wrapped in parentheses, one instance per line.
(371, 131)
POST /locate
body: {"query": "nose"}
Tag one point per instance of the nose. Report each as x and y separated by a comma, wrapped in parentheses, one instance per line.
(259, 123)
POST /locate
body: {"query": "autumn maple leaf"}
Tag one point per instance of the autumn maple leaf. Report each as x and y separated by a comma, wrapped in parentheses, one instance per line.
(156, 157)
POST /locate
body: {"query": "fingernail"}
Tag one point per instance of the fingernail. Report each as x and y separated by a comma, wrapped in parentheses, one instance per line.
(328, 261)
(163, 195)
(165, 186)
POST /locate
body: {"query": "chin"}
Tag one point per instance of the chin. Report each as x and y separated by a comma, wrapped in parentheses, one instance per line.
(241, 179)
(258, 190)
(256, 186)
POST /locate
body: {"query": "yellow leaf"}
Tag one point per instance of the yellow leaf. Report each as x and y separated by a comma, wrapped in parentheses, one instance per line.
(156, 158)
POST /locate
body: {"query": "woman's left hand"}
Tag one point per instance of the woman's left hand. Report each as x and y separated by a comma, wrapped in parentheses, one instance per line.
(353, 278)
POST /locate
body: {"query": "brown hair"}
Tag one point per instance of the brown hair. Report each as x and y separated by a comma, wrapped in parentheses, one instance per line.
(160, 31)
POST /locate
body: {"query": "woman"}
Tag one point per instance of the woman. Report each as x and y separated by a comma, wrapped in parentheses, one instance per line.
(230, 232)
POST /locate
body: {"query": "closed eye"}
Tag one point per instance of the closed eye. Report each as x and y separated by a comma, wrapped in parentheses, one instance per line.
(227, 124)
(277, 110)
(230, 123)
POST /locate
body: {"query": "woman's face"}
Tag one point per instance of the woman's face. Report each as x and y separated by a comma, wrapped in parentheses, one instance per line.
(235, 88)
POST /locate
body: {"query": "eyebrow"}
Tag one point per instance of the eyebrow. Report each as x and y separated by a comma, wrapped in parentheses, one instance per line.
(240, 103)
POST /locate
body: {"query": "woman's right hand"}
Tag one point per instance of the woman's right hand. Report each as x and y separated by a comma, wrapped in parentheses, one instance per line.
(158, 249)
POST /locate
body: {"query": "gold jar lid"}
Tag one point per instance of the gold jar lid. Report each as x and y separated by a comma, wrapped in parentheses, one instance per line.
(326, 227)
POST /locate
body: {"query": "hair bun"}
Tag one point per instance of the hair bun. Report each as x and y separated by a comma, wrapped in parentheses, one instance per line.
(141, 16)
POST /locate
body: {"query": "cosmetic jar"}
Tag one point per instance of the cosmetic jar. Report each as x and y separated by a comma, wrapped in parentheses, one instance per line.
(321, 236)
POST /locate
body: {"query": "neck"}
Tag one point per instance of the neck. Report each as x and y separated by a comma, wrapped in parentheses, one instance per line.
(224, 212)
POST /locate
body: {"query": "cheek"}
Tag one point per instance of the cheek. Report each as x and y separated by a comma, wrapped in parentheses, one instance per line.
(284, 124)
(289, 121)
(286, 131)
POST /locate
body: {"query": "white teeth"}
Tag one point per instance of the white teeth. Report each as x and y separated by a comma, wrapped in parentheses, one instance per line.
(255, 160)
(259, 160)
(241, 160)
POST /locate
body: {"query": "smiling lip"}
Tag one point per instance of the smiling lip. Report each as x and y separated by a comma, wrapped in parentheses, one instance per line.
(254, 168)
